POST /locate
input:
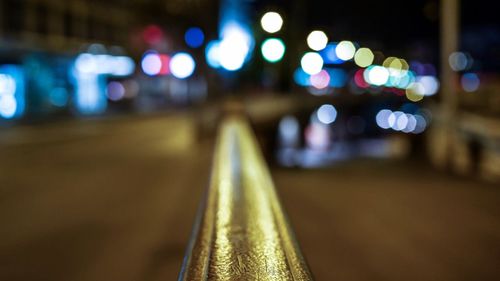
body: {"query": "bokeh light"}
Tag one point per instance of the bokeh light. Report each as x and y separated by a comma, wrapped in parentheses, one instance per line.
(301, 78)
(273, 49)
(470, 82)
(320, 80)
(165, 64)
(271, 22)
(151, 64)
(329, 55)
(359, 79)
(10, 86)
(338, 77)
(421, 124)
(430, 85)
(152, 34)
(85, 63)
(235, 47)
(388, 61)
(8, 106)
(194, 37)
(397, 68)
(345, 50)
(317, 136)
(121, 66)
(105, 64)
(317, 40)
(289, 131)
(7, 85)
(400, 121)
(59, 97)
(311, 63)
(326, 114)
(458, 61)
(364, 57)
(115, 91)
(382, 118)
(212, 54)
(182, 65)
(411, 124)
(376, 75)
(401, 79)
(415, 92)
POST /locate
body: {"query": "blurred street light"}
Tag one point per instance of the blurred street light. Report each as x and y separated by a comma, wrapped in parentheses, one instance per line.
(317, 40)
(182, 65)
(271, 22)
(273, 49)
(311, 63)
(364, 57)
(345, 50)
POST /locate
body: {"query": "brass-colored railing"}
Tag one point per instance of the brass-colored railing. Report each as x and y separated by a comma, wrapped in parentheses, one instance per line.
(241, 232)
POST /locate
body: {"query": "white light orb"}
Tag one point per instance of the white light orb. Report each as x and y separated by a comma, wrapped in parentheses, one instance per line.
(401, 122)
(326, 114)
(273, 49)
(345, 50)
(151, 64)
(382, 118)
(317, 40)
(234, 47)
(271, 22)
(8, 106)
(311, 63)
(458, 61)
(122, 66)
(376, 75)
(182, 65)
(411, 125)
(430, 84)
(86, 63)
(7, 85)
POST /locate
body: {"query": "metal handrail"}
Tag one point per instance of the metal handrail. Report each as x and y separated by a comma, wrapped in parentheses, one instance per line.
(241, 232)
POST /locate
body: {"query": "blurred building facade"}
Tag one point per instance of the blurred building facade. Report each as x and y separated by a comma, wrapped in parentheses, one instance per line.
(63, 25)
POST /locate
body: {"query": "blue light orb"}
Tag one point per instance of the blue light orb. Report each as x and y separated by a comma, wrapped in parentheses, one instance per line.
(470, 82)
(301, 78)
(338, 77)
(329, 55)
(194, 37)
(59, 97)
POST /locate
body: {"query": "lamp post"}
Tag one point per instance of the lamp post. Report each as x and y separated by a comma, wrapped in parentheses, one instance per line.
(449, 38)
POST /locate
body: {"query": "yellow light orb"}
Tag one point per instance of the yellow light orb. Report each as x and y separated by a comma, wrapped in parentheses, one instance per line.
(415, 92)
(364, 57)
(387, 62)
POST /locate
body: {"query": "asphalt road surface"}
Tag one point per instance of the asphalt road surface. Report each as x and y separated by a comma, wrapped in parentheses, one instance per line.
(108, 200)
(393, 220)
(115, 200)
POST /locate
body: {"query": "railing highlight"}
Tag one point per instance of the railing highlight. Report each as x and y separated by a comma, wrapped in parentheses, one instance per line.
(241, 232)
